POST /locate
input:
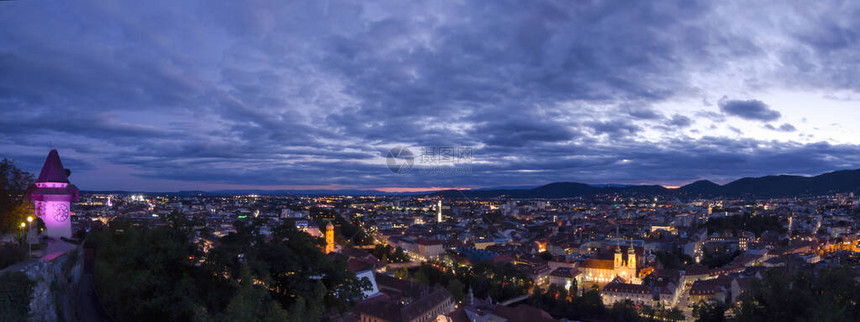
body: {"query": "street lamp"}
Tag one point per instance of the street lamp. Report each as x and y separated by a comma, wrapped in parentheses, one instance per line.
(29, 242)
(23, 225)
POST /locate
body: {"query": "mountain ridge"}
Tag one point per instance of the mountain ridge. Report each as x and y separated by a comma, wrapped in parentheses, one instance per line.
(840, 181)
(771, 186)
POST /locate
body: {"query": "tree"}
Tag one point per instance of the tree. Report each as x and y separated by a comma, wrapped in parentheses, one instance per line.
(715, 259)
(402, 273)
(674, 314)
(344, 232)
(421, 277)
(14, 206)
(558, 302)
(674, 259)
(624, 311)
(11, 254)
(455, 287)
(829, 295)
(160, 273)
(297, 266)
(388, 254)
(253, 303)
(16, 289)
(147, 273)
(710, 312)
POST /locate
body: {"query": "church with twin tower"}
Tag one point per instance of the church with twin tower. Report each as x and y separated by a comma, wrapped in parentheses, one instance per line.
(53, 196)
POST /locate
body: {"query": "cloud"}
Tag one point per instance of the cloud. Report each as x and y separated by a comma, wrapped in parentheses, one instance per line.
(516, 132)
(785, 127)
(754, 110)
(645, 113)
(680, 121)
(614, 128)
(309, 92)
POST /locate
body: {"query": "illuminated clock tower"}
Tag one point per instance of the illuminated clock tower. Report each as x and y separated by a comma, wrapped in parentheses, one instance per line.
(53, 196)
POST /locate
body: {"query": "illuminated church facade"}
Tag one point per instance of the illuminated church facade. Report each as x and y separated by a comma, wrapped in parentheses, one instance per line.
(603, 271)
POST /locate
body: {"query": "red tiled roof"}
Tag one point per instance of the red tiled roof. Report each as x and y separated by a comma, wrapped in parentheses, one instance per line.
(696, 270)
(357, 265)
(565, 272)
(501, 259)
(627, 288)
(427, 241)
(703, 289)
(523, 313)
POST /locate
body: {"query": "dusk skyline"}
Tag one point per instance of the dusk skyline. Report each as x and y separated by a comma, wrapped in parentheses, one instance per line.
(312, 95)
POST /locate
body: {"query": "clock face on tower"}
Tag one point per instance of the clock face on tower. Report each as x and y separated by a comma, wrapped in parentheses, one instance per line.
(61, 212)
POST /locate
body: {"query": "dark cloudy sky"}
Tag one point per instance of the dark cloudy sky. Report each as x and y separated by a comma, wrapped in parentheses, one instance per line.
(172, 95)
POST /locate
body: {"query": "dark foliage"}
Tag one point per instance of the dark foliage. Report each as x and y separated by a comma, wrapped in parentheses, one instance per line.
(714, 259)
(15, 292)
(160, 273)
(829, 295)
(346, 232)
(11, 254)
(387, 254)
(562, 304)
(675, 259)
(14, 206)
(710, 312)
(501, 282)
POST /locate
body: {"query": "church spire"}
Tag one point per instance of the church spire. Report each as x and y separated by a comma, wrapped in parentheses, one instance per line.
(631, 256)
(471, 296)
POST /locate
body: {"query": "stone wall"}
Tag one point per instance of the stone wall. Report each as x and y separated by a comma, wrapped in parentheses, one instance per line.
(56, 286)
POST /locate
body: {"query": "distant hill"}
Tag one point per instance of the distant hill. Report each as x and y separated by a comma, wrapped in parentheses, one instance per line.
(700, 188)
(557, 190)
(844, 181)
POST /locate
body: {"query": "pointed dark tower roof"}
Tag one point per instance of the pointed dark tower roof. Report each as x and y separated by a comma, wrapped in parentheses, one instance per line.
(53, 170)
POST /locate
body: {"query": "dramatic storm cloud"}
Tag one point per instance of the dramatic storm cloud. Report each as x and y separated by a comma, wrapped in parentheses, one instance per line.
(172, 95)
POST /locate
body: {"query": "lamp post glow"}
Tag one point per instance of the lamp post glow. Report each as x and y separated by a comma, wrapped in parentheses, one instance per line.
(29, 241)
(27, 236)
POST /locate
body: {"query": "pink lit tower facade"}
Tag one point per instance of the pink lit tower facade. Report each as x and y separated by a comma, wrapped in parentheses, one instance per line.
(53, 196)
